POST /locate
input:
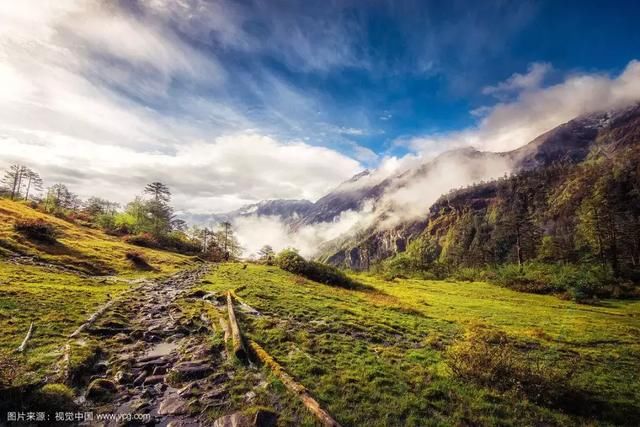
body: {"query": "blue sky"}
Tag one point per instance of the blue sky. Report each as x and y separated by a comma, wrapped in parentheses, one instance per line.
(231, 102)
(377, 71)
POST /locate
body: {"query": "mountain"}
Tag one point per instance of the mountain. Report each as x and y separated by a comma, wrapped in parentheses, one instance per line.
(595, 135)
(284, 209)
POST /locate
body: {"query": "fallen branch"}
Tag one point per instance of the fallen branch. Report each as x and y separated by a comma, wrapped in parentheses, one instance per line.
(298, 389)
(92, 319)
(243, 305)
(238, 346)
(26, 338)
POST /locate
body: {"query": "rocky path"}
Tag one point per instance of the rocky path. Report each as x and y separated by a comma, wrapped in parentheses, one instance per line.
(158, 365)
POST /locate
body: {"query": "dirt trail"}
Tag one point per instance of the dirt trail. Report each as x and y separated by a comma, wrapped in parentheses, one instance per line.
(157, 361)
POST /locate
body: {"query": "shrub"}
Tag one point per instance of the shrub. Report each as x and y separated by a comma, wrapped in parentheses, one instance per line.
(36, 229)
(138, 260)
(289, 260)
(489, 358)
(581, 282)
(328, 275)
(146, 240)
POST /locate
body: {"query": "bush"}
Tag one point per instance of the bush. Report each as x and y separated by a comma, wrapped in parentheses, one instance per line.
(36, 229)
(489, 358)
(146, 240)
(328, 275)
(289, 260)
(138, 260)
(580, 282)
(172, 242)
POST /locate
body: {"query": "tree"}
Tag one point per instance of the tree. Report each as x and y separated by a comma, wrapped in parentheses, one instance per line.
(159, 191)
(13, 179)
(266, 254)
(59, 197)
(34, 181)
(228, 242)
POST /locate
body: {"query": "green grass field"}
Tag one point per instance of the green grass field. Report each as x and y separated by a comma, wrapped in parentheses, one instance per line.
(57, 303)
(378, 357)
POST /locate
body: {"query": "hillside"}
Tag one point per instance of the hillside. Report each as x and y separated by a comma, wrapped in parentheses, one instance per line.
(603, 140)
(78, 248)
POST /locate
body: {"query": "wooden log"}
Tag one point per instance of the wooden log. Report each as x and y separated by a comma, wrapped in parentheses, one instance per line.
(298, 389)
(92, 319)
(244, 306)
(26, 338)
(238, 346)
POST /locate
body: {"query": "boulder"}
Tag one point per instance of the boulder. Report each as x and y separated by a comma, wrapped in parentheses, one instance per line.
(101, 390)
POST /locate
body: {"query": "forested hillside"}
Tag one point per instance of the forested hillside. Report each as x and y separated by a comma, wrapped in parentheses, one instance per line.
(574, 202)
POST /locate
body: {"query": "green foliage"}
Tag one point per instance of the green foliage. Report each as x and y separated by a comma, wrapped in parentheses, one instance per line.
(289, 260)
(582, 282)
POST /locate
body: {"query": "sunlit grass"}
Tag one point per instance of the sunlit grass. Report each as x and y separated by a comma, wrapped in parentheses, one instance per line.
(377, 357)
(79, 247)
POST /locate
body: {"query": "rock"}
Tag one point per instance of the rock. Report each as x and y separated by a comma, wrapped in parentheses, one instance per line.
(122, 377)
(196, 294)
(265, 418)
(138, 404)
(101, 366)
(153, 379)
(122, 338)
(172, 405)
(101, 390)
(159, 370)
(140, 379)
(189, 390)
(237, 419)
(160, 387)
(250, 396)
(215, 393)
(193, 372)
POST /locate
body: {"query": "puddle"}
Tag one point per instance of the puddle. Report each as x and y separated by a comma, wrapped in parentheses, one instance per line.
(162, 349)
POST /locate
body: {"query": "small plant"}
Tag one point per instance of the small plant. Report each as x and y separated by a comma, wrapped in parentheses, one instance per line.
(10, 370)
(489, 358)
(36, 229)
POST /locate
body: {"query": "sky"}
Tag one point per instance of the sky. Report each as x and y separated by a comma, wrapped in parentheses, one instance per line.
(232, 102)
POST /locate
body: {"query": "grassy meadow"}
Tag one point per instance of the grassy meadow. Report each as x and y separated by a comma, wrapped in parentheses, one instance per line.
(380, 356)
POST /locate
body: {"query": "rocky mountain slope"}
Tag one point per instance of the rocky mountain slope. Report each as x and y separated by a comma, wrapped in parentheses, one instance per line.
(597, 134)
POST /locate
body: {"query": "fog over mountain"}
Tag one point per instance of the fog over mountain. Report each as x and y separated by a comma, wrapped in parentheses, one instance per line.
(372, 202)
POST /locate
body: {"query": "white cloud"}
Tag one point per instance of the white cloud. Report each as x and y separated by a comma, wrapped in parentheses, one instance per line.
(205, 176)
(535, 110)
(521, 82)
(80, 81)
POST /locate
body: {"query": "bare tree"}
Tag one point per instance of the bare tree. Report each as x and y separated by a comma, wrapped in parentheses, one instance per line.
(13, 179)
(33, 182)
